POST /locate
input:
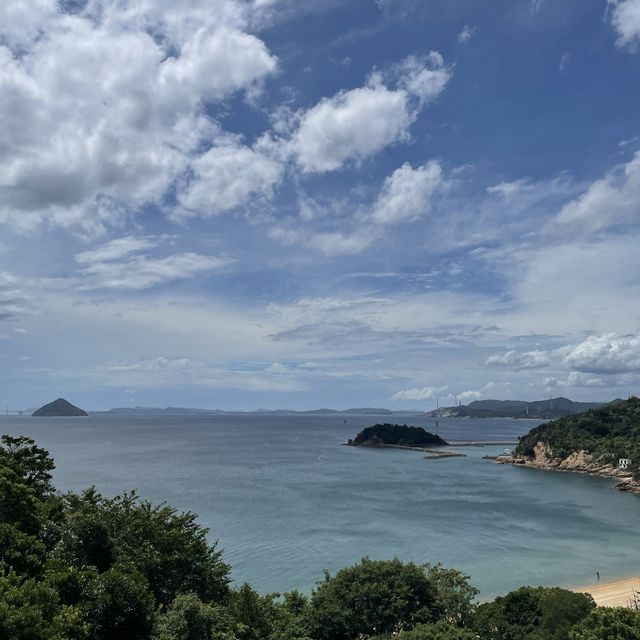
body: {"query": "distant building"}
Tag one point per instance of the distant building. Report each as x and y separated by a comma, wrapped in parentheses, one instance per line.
(624, 463)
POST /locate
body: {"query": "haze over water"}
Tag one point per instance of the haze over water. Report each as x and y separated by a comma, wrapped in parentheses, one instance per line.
(287, 501)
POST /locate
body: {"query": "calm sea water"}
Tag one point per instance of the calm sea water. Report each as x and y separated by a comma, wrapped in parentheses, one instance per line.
(287, 501)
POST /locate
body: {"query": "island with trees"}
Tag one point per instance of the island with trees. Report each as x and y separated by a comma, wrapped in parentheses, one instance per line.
(59, 408)
(82, 566)
(396, 435)
(603, 441)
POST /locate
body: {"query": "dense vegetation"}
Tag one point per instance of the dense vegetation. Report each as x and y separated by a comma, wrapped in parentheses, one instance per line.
(396, 434)
(86, 567)
(608, 433)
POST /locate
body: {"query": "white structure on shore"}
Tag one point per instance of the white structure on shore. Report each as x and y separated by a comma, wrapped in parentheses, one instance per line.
(624, 463)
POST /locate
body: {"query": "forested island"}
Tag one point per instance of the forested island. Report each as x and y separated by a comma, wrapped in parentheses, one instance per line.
(592, 442)
(396, 435)
(59, 408)
(549, 409)
(81, 566)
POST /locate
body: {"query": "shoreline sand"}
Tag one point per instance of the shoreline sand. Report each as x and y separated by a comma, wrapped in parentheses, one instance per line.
(614, 593)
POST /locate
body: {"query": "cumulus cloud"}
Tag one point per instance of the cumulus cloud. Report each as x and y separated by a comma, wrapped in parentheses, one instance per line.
(625, 18)
(357, 124)
(527, 360)
(604, 353)
(407, 193)
(425, 393)
(84, 149)
(351, 126)
(424, 77)
(226, 177)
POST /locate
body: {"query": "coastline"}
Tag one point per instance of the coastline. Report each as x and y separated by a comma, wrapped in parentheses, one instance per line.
(620, 592)
(578, 462)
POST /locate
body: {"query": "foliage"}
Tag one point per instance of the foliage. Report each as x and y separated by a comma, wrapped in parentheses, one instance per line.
(535, 613)
(608, 624)
(372, 597)
(86, 567)
(437, 631)
(454, 594)
(397, 434)
(608, 433)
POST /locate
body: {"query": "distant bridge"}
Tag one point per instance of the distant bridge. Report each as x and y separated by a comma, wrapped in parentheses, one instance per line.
(13, 412)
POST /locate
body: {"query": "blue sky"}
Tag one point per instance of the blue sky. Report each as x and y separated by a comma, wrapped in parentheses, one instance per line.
(267, 203)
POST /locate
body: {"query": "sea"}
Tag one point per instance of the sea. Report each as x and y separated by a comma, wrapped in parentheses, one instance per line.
(286, 501)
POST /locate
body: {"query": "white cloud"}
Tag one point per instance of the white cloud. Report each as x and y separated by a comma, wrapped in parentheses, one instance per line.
(625, 17)
(143, 272)
(424, 77)
(336, 243)
(226, 177)
(407, 193)
(604, 353)
(469, 396)
(116, 249)
(84, 149)
(527, 360)
(425, 393)
(351, 126)
(466, 34)
(608, 201)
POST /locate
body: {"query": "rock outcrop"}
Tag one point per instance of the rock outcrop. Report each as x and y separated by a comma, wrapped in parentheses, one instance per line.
(577, 462)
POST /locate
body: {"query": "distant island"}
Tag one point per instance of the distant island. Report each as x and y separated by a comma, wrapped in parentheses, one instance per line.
(363, 411)
(395, 435)
(59, 408)
(550, 409)
(603, 441)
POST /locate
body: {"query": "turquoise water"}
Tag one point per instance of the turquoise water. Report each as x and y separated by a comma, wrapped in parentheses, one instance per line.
(286, 500)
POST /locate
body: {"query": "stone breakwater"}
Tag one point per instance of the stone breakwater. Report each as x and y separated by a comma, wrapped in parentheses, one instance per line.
(577, 462)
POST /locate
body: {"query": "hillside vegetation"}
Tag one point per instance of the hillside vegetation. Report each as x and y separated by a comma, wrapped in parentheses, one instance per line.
(608, 433)
(395, 434)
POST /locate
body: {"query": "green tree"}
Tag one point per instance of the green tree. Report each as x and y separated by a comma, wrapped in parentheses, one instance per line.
(454, 594)
(437, 631)
(188, 618)
(532, 613)
(119, 606)
(372, 597)
(30, 463)
(608, 624)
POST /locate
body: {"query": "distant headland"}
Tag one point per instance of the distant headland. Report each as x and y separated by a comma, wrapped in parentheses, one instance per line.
(549, 409)
(59, 408)
(603, 442)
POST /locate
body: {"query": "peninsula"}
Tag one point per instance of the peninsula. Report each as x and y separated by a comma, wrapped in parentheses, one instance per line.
(603, 442)
(59, 408)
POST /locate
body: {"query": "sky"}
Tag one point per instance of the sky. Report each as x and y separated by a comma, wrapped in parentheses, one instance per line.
(246, 204)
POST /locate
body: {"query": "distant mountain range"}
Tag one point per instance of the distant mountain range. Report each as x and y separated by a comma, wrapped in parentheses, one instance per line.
(174, 411)
(550, 409)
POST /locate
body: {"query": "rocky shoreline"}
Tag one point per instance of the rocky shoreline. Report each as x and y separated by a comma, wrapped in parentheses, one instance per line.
(577, 462)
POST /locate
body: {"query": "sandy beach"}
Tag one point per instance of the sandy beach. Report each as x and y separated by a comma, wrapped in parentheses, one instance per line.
(614, 593)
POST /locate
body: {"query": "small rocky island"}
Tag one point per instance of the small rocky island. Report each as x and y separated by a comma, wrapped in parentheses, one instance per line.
(59, 408)
(396, 436)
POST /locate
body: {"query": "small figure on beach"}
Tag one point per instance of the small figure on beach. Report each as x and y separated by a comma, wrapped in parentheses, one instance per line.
(598, 575)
